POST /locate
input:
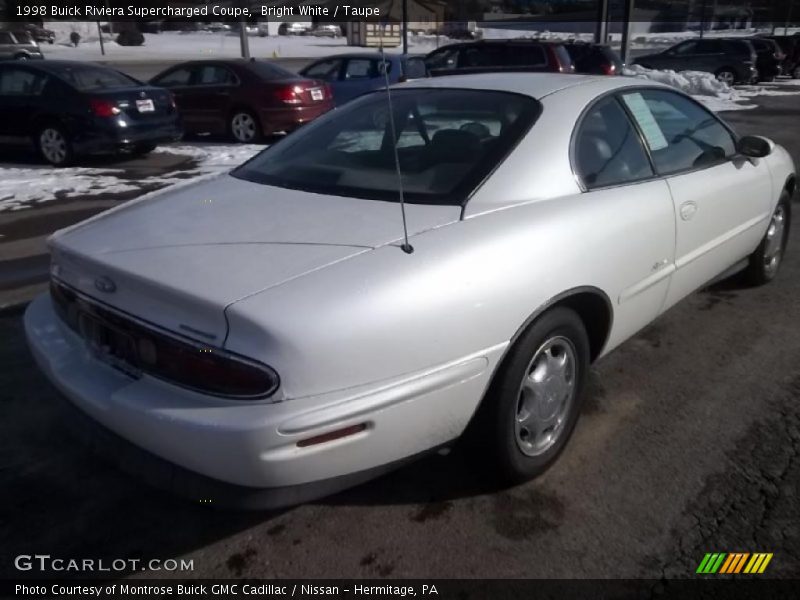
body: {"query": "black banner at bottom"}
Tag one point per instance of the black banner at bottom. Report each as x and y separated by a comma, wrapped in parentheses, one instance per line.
(348, 589)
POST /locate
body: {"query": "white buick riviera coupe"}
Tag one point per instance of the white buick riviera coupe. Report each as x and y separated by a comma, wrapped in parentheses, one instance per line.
(270, 336)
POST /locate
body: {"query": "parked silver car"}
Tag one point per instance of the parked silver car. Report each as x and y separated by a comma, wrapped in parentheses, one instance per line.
(18, 45)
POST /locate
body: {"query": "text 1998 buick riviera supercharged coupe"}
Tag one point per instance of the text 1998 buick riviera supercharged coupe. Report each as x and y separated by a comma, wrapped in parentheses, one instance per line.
(268, 331)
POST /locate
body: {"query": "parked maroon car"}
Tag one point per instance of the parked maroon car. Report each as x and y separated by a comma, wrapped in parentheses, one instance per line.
(500, 55)
(247, 99)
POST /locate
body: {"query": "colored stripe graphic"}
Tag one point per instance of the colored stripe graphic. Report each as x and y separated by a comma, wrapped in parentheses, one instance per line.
(734, 562)
(758, 563)
(740, 565)
(711, 563)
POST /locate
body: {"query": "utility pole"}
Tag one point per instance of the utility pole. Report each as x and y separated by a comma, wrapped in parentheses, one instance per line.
(601, 31)
(100, 35)
(405, 26)
(243, 41)
(626, 30)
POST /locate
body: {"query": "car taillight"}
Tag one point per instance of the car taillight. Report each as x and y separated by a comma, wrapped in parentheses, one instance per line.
(328, 91)
(104, 108)
(609, 68)
(289, 94)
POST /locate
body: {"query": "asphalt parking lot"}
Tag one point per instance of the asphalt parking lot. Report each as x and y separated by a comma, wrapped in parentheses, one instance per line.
(689, 443)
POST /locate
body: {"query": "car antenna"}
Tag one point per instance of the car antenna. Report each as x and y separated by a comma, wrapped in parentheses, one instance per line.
(405, 247)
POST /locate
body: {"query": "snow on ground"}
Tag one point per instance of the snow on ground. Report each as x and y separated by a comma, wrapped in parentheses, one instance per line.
(705, 88)
(23, 188)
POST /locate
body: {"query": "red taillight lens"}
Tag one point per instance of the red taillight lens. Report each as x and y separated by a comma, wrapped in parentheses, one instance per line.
(289, 94)
(609, 69)
(147, 350)
(104, 108)
(328, 91)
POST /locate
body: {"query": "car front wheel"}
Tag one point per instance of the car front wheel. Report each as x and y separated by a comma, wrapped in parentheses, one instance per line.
(54, 146)
(766, 260)
(726, 76)
(534, 402)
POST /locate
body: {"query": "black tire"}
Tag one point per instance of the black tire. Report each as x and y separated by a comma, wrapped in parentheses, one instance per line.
(499, 433)
(54, 145)
(764, 263)
(22, 56)
(236, 127)
(726, 74)
(143, 149)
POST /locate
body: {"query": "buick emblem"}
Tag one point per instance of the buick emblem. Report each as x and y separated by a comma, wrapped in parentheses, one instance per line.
(105, 285)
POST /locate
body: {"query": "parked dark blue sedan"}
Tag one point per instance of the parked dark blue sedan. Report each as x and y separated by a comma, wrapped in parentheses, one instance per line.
(67, 109)
(351, 75)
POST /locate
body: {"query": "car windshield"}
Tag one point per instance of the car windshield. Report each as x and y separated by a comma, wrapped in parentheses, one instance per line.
(448, 141)
(88, 78)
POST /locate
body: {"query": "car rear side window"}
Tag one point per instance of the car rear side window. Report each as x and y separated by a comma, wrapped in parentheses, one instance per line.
(215, 75)
(527, 55)
(5, 38)
(174, 78)
(326, 70)
(20, 82)
(608, 150)
(681, 134)
(360, 68)
(485, 56)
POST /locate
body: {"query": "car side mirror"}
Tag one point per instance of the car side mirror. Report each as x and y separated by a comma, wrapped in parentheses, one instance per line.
(753, 146)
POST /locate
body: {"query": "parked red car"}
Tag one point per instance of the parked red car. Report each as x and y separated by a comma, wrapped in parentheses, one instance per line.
(247, 99)
(487, 56)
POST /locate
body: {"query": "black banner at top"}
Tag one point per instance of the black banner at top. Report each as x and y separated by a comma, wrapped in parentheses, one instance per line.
(736, 13)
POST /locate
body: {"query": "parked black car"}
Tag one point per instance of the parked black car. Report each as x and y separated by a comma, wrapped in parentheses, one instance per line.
(40, 34)
(732, 60)
(67, 109)
(790, 46)
(500, 55)
(594, 59)
(18, 45)
(769, 58)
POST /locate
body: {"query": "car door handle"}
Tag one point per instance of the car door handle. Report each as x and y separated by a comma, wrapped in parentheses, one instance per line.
(688, 210)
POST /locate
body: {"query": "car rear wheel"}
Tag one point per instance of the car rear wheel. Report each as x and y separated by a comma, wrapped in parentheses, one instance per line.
(534, 402)
(244, 127)
(726, 76)
(766, 260)
(22, 57)
(54, 146)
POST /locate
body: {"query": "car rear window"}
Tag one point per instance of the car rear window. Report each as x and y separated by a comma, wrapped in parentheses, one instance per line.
(89, 78)
(269, 71)
(448, 141)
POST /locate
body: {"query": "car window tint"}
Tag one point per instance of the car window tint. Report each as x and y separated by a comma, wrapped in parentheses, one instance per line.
(215, 75)
(484, 56)
(326, 70)
(89, 78)
(448, 141)
(694, 137)
(176, 77)
(707, 47)
(527, 55)
(5, 38)
(608, 150)
(415, 68)
(446, 58)
(685, 48)
(359, 68)
(19, 82)
(737, 47)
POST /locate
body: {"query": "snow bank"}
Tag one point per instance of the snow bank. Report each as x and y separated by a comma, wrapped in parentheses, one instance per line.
(23, 188)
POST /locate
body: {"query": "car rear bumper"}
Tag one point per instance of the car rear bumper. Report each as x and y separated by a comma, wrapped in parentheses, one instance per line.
(109, 138)
(205, 445)
(278, 120)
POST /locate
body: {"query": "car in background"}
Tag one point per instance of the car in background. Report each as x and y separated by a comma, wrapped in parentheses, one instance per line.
(769, 58)
(68, 109)
(731, 60)
(244, 98)
(326, 30)
(351, 75)
(18, 45)
(40, 34)
(594, 59)
(790, 46)
(293, 28)
(486, 56)
(460, 30)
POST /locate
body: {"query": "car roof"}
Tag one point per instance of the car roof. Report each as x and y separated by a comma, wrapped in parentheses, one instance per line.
(535, 85)
(50, 65)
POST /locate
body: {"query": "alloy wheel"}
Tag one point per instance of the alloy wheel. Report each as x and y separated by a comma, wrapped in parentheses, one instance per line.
(243, 127)
(727, 77)
(545, 396)
(53, 145)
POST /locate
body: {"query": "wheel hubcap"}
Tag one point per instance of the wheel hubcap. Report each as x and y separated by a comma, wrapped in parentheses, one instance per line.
(244, 127)
(54, 146)
(726, 77)
(774, 246)
(545, 396)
